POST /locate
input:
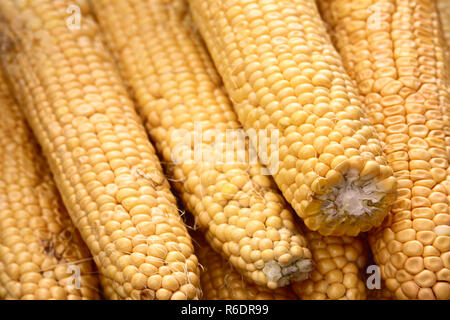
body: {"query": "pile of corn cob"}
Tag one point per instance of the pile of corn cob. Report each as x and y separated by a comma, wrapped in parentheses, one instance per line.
(114, 108)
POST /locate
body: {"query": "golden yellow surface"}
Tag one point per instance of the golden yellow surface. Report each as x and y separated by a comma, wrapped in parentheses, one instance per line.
(444, 15)
(104, 166)
(339, 267)
(42, 255)
(220, 281)
(167, 68)
(283, 73)
(394, 50)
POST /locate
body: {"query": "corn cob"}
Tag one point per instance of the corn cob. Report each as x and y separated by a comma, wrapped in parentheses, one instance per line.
(393, 49)
(103, 163)
(282, 73)
(173, 80)
(338, 270)
(41, 253)
(220, 281)
(444, 13)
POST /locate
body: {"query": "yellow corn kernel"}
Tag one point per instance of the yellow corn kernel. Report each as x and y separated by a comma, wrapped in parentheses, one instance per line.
(220, 281)
(104, 165)
(180, 96)
(338, 269)
(394, 50)
(42, 255)
(283, 74)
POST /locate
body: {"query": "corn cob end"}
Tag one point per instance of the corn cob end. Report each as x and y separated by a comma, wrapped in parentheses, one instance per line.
(280, 275)
(354, 204)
